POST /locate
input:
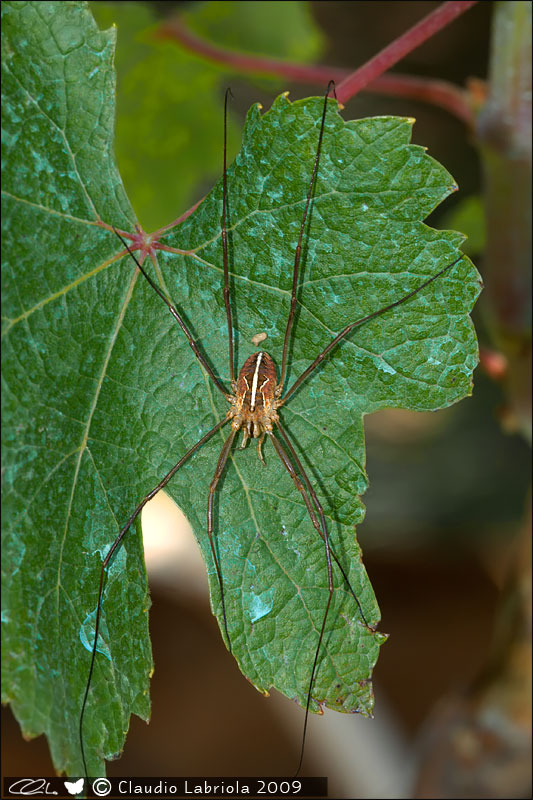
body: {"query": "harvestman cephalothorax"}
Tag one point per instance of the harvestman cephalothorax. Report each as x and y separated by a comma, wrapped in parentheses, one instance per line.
(255, 398)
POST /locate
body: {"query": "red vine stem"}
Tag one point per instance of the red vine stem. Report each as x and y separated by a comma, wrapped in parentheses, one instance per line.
(399, 48)
(367, 77)
(439, 93)
(245, 62)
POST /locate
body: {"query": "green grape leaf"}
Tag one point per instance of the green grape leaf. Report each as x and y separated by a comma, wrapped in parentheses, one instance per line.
(102, 393)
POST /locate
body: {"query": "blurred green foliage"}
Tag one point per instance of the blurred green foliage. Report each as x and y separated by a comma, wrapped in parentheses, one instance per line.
(170, 101)
(468, 216)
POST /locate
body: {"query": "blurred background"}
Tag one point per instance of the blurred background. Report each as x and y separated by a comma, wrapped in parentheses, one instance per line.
(446, 535)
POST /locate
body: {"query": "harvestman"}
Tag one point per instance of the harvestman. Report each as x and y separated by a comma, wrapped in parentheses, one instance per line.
(255, 399)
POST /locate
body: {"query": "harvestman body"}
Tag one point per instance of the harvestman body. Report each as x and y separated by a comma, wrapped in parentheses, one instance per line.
(256, 397)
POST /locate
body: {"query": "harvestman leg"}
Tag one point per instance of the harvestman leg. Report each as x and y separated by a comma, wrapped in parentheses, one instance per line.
(296, 268)
(225, 250)
(205, 364)
(320, 526)
(226, 449)
(227, 446)
(212, 489)
(322, 529)
(162, 483)
(284, 458)
(173, 471)
(299, 485)
(349, 328)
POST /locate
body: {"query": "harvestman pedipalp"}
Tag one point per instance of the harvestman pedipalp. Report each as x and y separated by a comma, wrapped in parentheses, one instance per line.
(255, 399)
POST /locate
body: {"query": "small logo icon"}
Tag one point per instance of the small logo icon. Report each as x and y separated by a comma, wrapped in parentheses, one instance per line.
(101, 787)
(74, 788)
